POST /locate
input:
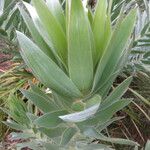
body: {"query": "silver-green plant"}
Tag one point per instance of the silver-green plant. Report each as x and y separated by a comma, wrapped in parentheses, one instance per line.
(77, 54)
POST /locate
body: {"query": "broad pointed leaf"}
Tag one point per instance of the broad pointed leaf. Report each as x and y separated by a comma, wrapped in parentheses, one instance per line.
(39, 101)
(42, 31)
(79, 46)
(91, 132)
(1, 6)
(101, 28)
(39, 91)
(35, 34)
(22, 136)
(104, 115)
(68, 135)
(103, 126)
(84, 146)
(82, 115)
(114, 50)
(53, 28)
(50, 146)
(117, 93)
(147, 147)
(50, 120)
(57, 11)
(52, 133)
(45, 69)
(14, 125)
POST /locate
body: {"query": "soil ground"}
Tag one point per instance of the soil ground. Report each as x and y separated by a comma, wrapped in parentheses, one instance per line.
(5, 62)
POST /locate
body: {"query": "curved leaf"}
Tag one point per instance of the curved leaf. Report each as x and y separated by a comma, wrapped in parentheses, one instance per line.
(42, 31)
(39, 101)
(53, 28)
(91, 132)
(79, 46)
(35, 34)
(101, 28)
(68, 135)
(45, 69)
(117, 93)
(50, 120)
(52, 133)
(147, 147)
(102, 116)
(80, 116)
(57, 11)
(1, 7)
(114, 50)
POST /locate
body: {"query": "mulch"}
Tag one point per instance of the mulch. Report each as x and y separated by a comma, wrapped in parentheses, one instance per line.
(5, 58)
(5, 65)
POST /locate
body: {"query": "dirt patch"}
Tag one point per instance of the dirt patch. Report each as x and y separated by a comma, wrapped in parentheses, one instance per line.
(5, 57)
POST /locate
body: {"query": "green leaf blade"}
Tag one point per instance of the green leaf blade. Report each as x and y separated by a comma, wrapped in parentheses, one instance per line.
(53, 28)
(35, 34)
(91, 132)
(104, 115)
(79, 46)
(45, 69)
(114, 50)
(101, 28)
(117, 93)
(39, 101)
(52, 133)
(50, 120)
(68, 135)
(57, 11)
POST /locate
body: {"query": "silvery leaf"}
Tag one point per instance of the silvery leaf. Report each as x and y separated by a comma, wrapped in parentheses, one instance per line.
(82, 115)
